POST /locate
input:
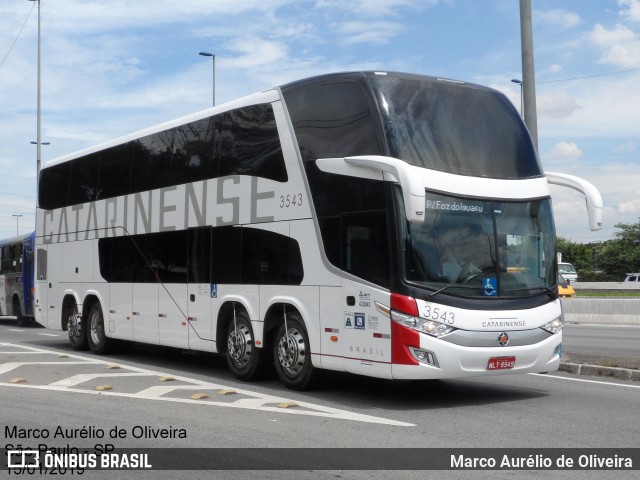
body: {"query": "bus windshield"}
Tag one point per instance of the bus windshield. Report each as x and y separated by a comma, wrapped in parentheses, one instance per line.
(453, 127)
(481, 248)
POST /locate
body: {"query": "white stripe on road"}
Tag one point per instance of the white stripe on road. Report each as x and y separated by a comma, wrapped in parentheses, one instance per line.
(598, 382)
(255, 401)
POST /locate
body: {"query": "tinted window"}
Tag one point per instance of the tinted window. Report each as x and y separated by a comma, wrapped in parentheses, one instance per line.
(199, 251)
(144, 258)
(53, 187)
(152, 161)
(335, 120)
(193, 152)
(247, 143)
(115, 171)
(358, 243)
(11, 258)
(84, 173)
(270, 259)
(332, 120)
(239, 142)
(225, 255)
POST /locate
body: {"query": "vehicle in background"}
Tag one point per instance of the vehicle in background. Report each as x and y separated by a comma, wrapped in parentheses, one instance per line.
(568, 272)
(564, 289)
(16, 277)
(632, 277)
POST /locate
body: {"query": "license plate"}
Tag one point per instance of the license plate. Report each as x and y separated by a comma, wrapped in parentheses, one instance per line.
(501, 363)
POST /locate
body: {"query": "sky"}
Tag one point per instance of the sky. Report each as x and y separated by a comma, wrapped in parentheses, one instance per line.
(112, 67)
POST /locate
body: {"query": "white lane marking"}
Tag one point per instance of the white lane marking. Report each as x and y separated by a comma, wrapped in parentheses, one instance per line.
(18, 353)
(49, 334)
(603, 325)
(598, 382)
(318, 410)
(256, 401)
(86, 377)
(7, 367)
(155, 392)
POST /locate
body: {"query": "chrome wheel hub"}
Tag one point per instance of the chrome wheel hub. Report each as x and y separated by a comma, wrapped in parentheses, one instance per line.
(292, 352)
(74, 326)
(239, 345)
(95, 330)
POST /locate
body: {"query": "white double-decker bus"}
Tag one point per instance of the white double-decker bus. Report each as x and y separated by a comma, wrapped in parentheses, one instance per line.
(391, 225)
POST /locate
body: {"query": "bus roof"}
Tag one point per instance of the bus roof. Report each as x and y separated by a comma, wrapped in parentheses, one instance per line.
(18, 238)
(264, 96)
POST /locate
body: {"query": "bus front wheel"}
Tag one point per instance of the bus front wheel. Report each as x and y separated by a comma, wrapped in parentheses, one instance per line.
(292, 354)
(99, 343)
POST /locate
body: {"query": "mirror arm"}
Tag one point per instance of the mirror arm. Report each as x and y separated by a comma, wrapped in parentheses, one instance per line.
(591, 193)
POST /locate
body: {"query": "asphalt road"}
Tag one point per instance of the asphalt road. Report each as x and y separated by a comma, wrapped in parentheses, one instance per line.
(151, 391)
(603, 344)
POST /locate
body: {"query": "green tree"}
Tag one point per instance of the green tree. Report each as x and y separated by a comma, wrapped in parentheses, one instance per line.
(622, 254)
(578, 254)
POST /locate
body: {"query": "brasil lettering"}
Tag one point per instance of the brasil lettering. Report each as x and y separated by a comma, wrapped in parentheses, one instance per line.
(221, 201)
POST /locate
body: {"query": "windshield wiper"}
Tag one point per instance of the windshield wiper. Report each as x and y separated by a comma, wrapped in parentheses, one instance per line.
(547, 290)
(451, 285)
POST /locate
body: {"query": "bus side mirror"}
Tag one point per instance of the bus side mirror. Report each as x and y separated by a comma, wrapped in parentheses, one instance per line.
(591, 193)
(377, 167)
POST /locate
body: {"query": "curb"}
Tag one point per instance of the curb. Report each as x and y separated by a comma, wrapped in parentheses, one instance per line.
(600, 371)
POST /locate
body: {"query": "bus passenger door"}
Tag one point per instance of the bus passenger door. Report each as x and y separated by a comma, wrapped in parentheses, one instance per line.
(200, 291)
(50, 301)
(199, 316)
(40, 302)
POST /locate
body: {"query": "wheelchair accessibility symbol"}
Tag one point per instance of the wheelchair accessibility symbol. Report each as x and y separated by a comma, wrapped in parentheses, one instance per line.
(490, 286)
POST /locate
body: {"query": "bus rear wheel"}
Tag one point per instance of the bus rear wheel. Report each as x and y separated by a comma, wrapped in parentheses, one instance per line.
(99, 343)
(292, 354)
(245, 360)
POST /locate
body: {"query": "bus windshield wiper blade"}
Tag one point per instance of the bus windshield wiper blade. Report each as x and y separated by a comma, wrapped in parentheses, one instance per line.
(451, 285)
(547, 290)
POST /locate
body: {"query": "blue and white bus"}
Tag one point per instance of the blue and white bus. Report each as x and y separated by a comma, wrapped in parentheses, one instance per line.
(384, 224)
(16, 277)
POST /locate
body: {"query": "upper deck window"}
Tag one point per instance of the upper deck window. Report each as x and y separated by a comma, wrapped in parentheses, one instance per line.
(244, 141)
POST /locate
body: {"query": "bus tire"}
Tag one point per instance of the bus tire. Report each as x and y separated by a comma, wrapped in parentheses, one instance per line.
(17, 311)
(292, 354)
(76, 328)
(98, 341)
(245, 360)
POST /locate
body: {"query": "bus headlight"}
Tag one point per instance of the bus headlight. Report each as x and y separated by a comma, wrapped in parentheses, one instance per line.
(555, 325)
(435, 329)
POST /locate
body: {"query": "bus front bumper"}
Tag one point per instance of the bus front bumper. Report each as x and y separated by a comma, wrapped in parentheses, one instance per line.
(441, 359)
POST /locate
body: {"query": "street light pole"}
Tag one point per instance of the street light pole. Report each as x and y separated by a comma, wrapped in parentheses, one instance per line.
(528, 71)
(39, 107)
(17, 221)
(213, 63)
